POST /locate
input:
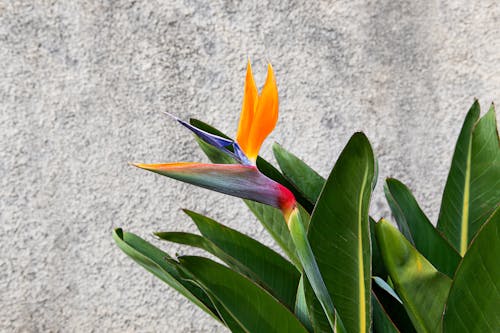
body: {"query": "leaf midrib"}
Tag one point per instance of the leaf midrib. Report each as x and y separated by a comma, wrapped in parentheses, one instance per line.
(464, 229)
(361, 279)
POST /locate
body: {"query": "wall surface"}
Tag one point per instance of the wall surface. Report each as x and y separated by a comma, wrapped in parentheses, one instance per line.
(82, 85)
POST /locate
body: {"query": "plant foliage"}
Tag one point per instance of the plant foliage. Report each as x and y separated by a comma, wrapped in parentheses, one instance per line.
(342, 271)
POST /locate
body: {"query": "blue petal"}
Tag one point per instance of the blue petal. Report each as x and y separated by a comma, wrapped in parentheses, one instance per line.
(240, 154)
(212, 139)
(217, 141)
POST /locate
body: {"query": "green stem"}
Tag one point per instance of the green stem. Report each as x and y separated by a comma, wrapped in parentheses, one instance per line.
(306, 257)
(301, 310)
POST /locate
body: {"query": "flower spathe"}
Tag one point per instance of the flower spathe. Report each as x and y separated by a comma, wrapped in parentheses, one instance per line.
(243, 181)
(258, 118)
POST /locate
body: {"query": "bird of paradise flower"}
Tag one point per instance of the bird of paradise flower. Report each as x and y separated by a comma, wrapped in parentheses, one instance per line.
(258, 118)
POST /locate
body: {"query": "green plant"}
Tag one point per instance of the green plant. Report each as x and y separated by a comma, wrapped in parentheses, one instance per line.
(448, 277)
(344, 273)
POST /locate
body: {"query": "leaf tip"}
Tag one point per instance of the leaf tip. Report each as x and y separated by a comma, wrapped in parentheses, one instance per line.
(118, 234)
(189, 212)
(276, 146)
(137, 165)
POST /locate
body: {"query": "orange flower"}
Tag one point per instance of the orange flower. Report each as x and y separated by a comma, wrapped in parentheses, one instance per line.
(259, 113)
(258, 118)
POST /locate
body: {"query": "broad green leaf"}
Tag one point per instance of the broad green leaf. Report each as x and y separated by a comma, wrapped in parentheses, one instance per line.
(265, 167)
(417, 228)
(472, 190)
(253, 307)
(280, 280)
(474, 300)
(154, 261)
(248, 256)
(382, 323)
(422, 288)
(453, 216)
(339, 233)
(485, 172)
(303, 177)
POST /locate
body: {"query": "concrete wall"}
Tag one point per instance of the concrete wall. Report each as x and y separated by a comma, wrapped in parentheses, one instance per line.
(82, 85)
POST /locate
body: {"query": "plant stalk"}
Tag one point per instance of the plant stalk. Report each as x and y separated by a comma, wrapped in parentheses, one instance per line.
(311, 269)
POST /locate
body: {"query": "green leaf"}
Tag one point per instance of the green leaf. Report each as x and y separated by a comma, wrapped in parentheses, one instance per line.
(193, 240)
(253, 308)
(205, 244)
(472, 190)
(155, 261)
(485, 172)
(417, 228)
(226, 317)
(303, 177)
(474, 299)
(246, 255)
(265, 167)
(340, 237)
(382, 323)
(422, 288)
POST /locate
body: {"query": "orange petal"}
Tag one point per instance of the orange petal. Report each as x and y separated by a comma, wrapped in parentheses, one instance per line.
(265, 116)
(247, 110)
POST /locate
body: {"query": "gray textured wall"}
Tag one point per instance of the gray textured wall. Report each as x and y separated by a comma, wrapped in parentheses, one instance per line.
(81, 87)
